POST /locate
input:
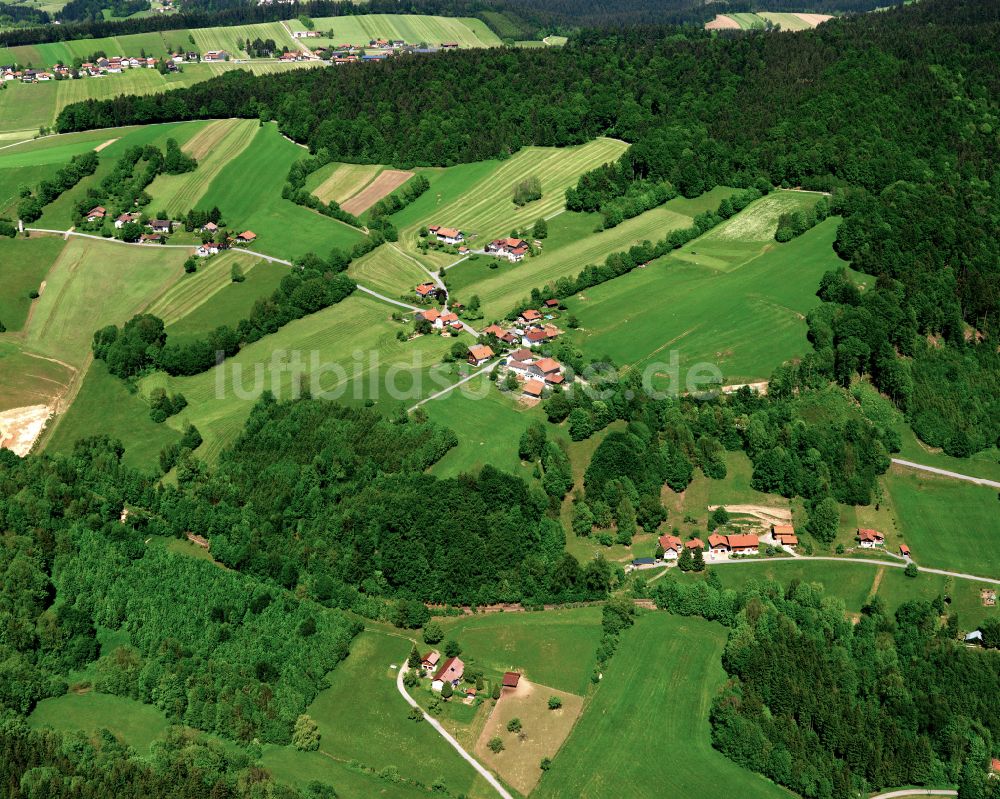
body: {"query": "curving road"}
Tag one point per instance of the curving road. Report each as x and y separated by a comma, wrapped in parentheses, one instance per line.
(916, 792)
(944, 472)
(483, 771)
(874, 561)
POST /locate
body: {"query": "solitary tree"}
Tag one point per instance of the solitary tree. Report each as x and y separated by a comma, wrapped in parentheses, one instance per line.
(514, 725)
(305, 735)
(447, 691)
(555, 703)
(496, 745)
(433, 632)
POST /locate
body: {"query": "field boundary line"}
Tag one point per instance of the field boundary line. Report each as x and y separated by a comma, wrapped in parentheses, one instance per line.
(983, 481)
(483, 771)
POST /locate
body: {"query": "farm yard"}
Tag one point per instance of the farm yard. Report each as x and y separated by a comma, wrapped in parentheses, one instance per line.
(651, 708)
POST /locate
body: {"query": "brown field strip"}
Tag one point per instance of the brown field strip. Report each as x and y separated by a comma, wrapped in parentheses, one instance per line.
(208, 138)
(384, 185)
(722, 22)
(814, 19)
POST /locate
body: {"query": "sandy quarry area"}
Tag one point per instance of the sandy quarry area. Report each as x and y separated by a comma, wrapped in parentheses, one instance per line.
(20, 427)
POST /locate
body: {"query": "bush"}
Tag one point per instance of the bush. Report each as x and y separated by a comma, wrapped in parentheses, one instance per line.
(911, 570)
(527, 190)
(555, 703)
(514, 725)
(433, 632)
(496, 745)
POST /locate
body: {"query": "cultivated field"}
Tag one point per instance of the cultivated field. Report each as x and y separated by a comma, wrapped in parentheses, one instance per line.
(214, 146)
(647, 725)
(389, 271)
(30, 379)
(338, 182)
(554, 648)
(485, 209)
(230, 38)
(248, 191)
(745, 321)
(411, 28)
(384, 185)
(748, 21)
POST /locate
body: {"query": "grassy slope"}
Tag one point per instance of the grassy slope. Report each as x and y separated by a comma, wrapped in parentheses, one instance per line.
(553, 648)
(788, 22)
(389, 271)
(412, 28)
(23, 266)
(649, 721)
(332, 336)
(179, 193)
(137, 723)
(486, 209)
(339, 182)
(746, 320)
(284, 229)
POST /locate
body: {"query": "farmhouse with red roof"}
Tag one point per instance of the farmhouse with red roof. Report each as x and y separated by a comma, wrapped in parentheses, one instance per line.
(869, 539)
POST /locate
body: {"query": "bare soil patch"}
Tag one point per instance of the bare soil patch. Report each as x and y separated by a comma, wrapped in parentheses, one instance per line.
(814, 19)
(543, 732)
(384, 185)
(722, 22)
(765, 514)
(20, 427)
(104, 144)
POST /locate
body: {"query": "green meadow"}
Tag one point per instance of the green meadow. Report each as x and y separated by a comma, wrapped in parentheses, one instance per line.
(135, 723)
(745, 320)
(647, 723)
(339, 182)
(411, 28)
(23, 266)
(389, 271)
(284, 229)
(552, 648)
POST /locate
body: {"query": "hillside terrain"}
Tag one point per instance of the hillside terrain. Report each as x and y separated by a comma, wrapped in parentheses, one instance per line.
(499, 399)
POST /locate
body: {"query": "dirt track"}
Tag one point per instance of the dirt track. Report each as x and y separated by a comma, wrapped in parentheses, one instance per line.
(384, 185)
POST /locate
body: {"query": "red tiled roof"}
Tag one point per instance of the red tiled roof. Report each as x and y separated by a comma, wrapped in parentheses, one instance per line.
(670, 542)
(511, 679)
(431, 658)
(533, 388)
(555, 379)
(782, 529)
(247, 235)
(480, 352)
(548, 365)
(522, 354)
(530, 314)
(904, 549)
(447, 232)
(431, 314)
(551, 303)
(742, 540)
(695, 543)
(867, 534)
(535, 335)
(494, 330)
(716, 540)
(426, 288)
(451, 669)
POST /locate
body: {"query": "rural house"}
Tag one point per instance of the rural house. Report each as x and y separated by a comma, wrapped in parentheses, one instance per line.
(150, 238)
(215, 55)
(451, 671)
(512, 249)
(510, 679)
(479, 354)
(210, 227)
(430, 661)
(529, 316)
(246, 237)
(96, 213)
(904, 550)
(447, 235)
(432, 315)
(784, 534)
(205, 250)
(425, 290)
(738, 544)
(671, 545)
(532, 389)
(159, 225)
(500, 334)
(695, 543)
(124, 219)
(868, 538)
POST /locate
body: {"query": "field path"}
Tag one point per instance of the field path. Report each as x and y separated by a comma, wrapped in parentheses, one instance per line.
(917, 792)
(483, 771)
(870, 561)
(453, 386)
(944, 472)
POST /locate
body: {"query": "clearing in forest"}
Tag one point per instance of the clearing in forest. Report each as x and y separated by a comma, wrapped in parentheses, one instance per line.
(384, 185)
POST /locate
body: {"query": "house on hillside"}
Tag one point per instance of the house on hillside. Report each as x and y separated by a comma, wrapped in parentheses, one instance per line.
(451, 671)
(96, 213)
(695, 543)
(479, 354)
(150, 238)
(500, 334)
(512, 249)
(671, 546)
(535, 335)
(551, 303)
(205, 250)
(522, 363)
(510, 679)
(784, 534)
(210, 227)
(429, 662)
(159, 225)
(425, 290)
(446, 235)
(305, 34)
(124, 219)
(532, 389)
(246, 237)
(215, 55)
(869, 539)
(737, 544)
(432, 315)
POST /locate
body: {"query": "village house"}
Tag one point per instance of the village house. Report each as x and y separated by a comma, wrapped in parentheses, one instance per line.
(210, 227)
(500, 334)
(432, 315)
(425, 290)
(479, 354)
(451, 671)
(451, 320)
(869, 539)
(529, 316)
(551, 303)
(159, 225)
(537, 335)
(784, 534)
(215, 55)
(205, 250)
(695, 543)
(124, 219)
(532, 389)
(150, 238)
(447, 235)
(512, 249)
(546, 370)
(671, 546)
(246, 237)
(430, 661)
(96, 213)
(737, 544)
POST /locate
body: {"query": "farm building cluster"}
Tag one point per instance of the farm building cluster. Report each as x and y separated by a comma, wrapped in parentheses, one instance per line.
(88, 69)
(156, 231)
(452, 671)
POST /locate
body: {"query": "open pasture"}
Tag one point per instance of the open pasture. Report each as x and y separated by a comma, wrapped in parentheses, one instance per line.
(389, 271)
(486, 208)
(131, 721)
(338, 182)
(411, 28)
(649, 720)
(554, 648)
(214, 147)
(347, 352)
(744, 321)
(230, 38)
(23, 266)
(248, 192)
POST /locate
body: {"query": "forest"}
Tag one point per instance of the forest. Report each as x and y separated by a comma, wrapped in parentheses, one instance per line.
(905, 142)
(830, 708)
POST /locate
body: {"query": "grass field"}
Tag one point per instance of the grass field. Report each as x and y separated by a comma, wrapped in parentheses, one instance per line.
(214, 146)
(411, 28)
(485, 209)
(23, 266)
(93, 284)
(745, 321)
(389, 271)
(983, 464)
(788, 22)
(283, 228)
(949, 524)
(135, 723)
(338, 182)
(554, 648)
(648, 722)
(350, 350)
(29, 379)
(229, 38)
(362, 717)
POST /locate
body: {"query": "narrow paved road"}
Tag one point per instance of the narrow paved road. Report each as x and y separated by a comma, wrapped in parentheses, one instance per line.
(916, 792)
(448, 737)
(934, 470)
(874, 561)
(453, 386)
